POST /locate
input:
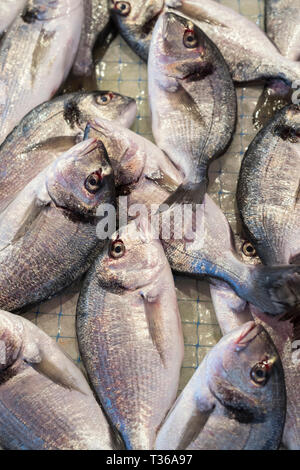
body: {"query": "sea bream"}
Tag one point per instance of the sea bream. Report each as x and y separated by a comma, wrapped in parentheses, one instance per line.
(48, 233)
(96, 19)
(51, 129)
(129, 333)
(235, 399)
(282, 23)
(231, 312)
(135, 20)
(192, 99)
(249, 53)
(45, 401)
(36, 55)
(143, 173)
(268, 192)
(9, 10)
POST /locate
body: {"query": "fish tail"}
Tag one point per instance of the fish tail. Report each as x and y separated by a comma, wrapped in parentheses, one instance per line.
(276, 289)
(186, 193)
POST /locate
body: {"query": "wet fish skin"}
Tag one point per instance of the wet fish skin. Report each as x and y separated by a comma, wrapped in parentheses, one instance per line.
(96, 19)
(221, 408)
(9, 9)
(231, 312)
(45, 401)
(268, 189)
(192, 97)
(130, 336)
(282, 25)
(51, 129)
(248, 60)
(48, 233)
(135, 21)
(36, 55)
(282, 19)
(142, 171)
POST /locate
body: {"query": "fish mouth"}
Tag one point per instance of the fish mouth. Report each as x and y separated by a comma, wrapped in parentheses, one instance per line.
(149, 25)
(249, 333)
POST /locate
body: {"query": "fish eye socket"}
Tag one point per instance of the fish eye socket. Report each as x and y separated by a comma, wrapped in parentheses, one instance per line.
(93, 182)
(104, 99)
(123, 8)
(117, 249)
(249, 250)
(189, 39)
(259, 374)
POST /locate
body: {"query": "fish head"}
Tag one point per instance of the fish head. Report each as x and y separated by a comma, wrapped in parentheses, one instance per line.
(132, 259)
(44, 10)
(183, 51)
(245, 372)
(109, 105)
(11, 339)
(126, 155)
(136, 19)
(82, 179)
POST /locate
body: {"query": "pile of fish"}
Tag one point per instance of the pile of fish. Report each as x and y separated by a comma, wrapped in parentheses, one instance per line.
(68, 159)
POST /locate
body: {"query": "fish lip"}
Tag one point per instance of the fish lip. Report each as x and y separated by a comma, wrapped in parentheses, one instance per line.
(90, 145)
(251, 331)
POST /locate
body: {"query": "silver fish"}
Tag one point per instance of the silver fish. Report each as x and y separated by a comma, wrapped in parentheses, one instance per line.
(268, 192)
(48, 233)
(234, 401)
(129, 333)
(96, 19)
(135, 20)
(144, 174)
(249, 53)
(142, 171)
(45, 401)
(51, 129)
(282, 20)
(192, 99)
(36, 55)
(232, 311)
(9, 10)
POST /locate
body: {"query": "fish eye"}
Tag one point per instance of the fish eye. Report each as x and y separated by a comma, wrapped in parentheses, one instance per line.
(248, 249)
(260, 373)
(93, 182)
(123, 8)
(189, 39)
(104, 99)
(117, 249)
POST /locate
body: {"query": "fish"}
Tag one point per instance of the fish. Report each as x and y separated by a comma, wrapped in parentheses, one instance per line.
(268, 191)
(282, 24)
(36, 56)
(231, 312)
(135, 21)
(51, 129)
(143, 173)
(192, 100)
(248, 61)
(48, 234)
(96, 20)
(45, 400)
(129, 333)
(9, 10)
(234, 401)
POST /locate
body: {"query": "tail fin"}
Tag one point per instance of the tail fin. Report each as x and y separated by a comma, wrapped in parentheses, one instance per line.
(188, 193)
(276, 289)
(293, 316)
